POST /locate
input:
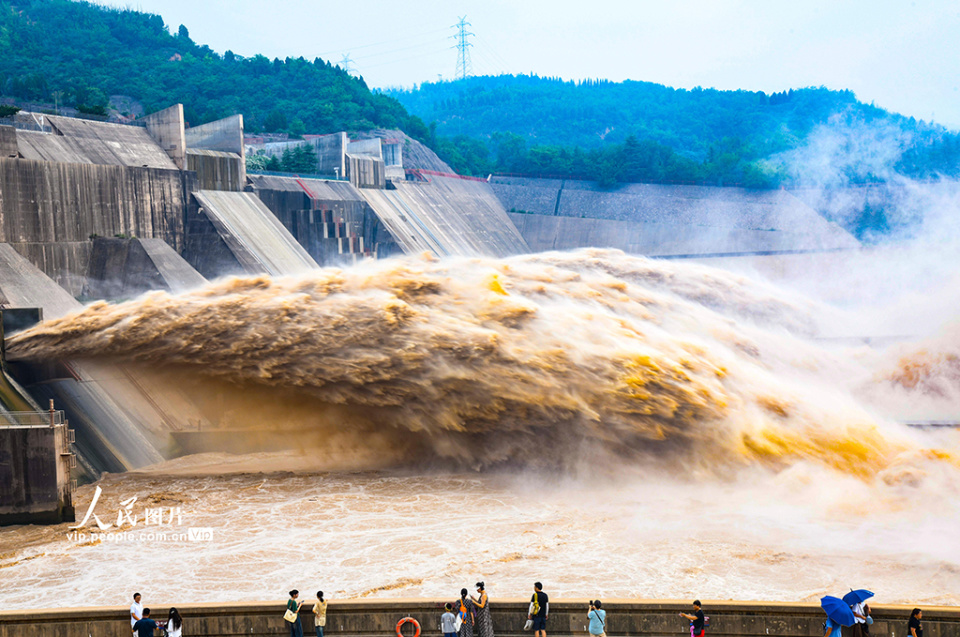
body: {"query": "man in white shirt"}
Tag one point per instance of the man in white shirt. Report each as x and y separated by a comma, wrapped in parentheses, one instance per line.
(136, 611)
(860, 620)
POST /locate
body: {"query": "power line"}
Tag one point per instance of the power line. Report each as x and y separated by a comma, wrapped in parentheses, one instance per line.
(405, 48)
(463, 48)
(367, 46)
(346, 64)
(404, 59)
(488, 62)
(492, 52)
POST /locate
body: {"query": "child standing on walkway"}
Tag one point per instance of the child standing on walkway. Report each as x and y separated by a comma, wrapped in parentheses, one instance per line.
(448, 622)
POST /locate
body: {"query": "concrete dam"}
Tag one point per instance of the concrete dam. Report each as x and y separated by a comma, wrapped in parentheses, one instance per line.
(96, 211)
(394, 364)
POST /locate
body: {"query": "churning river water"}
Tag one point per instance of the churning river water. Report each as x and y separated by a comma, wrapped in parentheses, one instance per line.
(609, 425)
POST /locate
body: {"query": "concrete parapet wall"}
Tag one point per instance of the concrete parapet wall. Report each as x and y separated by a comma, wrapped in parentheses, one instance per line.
(547, 232)
(331, 152)
(166, 128)
(224, 135)
(366, 147)
(366, 172)
(8, 141)
(216, 170)
(378, 618)
(48, 208)
(85, 142)
(696, 218)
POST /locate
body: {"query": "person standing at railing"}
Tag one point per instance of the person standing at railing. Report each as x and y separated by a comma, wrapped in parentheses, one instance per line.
(293, 613)
(174, 626)
(136, 610)
(484, 621)
(539, 610)
(697, 619)
(465, 614)
(598, 619)
(320, 614)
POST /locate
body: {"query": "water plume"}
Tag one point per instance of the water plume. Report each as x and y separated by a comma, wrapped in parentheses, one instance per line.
(532, 359)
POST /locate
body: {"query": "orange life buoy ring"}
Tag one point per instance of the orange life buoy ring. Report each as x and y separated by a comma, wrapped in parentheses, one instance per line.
(403, 621)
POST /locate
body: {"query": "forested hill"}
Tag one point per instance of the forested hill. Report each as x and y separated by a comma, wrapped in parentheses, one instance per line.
(535, 124)
(78, 54)
(590, 113)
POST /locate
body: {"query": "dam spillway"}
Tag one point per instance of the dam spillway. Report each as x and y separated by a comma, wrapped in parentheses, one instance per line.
(469, 374)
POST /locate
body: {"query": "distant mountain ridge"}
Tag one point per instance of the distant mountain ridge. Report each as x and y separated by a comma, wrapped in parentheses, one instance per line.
(753, 129)
(79, 54)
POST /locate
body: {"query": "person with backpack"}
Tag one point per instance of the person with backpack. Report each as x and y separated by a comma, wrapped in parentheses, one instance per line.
(697, 620)
(539, 610)
(465, 614)
(598, 619)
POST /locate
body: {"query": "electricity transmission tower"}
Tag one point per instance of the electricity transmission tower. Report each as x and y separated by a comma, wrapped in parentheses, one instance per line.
(463, 48)
(347, 64)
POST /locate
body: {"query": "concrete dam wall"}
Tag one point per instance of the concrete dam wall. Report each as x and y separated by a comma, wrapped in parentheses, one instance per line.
(122, 422)
(543, 233)
(49, 211)
(660, 220)
(253, 234)
(378, 618)
(447, 216)
(330, 218)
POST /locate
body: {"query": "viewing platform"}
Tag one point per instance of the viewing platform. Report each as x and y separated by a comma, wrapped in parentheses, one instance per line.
(379, 617)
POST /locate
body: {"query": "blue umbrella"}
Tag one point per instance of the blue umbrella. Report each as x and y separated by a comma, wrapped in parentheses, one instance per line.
(857, 597)
(837, 610)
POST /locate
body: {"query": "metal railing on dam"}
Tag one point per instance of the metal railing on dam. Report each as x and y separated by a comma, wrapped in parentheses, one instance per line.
(379, 617)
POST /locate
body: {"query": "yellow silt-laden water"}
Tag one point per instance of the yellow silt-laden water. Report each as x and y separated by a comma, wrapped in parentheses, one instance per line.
(610, 425)
(643, 357)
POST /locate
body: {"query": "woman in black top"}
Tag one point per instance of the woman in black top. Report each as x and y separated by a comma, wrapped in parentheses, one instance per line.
(914, 627)
(696, 619)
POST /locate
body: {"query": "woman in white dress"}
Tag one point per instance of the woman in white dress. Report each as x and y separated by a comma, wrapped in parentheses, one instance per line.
(174, 624)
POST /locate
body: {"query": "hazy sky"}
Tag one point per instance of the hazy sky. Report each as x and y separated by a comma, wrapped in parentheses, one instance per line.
(902, 55)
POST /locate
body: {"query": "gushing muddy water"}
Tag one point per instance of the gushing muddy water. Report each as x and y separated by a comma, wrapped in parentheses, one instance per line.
(610, 425)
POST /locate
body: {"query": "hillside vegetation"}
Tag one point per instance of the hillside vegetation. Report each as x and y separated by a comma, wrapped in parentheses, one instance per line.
(640, 131)
(78, 54)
